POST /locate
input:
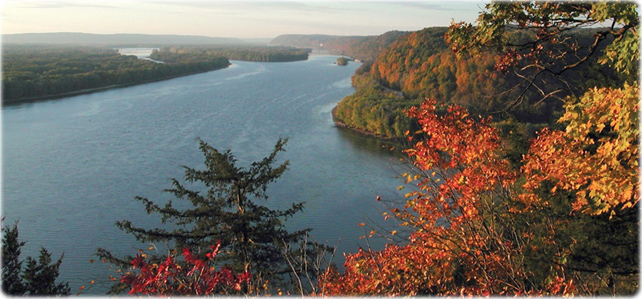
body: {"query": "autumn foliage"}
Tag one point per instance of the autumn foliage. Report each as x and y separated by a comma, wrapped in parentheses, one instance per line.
(596, 156)
(563, 219)
(480, 226)
(194, 277)
(459, 245)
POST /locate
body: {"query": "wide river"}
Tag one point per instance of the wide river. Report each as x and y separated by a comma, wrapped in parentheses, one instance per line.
(71, 167)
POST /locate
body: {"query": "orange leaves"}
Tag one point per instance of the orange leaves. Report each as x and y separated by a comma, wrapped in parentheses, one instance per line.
(393, 271)
(460, 170)
(466, 152)
(596, 156)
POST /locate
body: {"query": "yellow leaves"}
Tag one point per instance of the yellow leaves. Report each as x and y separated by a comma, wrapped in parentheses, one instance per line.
(600, 127)
(596, 156)
(627, 205)
(361, 224)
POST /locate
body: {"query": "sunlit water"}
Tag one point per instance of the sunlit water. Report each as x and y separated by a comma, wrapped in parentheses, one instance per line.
(72, 167)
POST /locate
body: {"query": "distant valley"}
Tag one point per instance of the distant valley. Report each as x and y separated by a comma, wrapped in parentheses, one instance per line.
(118, 39)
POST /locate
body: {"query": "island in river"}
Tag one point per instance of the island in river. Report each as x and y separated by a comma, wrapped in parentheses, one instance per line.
(37, 72)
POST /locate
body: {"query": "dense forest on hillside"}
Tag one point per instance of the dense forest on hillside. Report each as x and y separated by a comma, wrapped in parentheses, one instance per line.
(421, 65)
(493, 208)
(247, 53)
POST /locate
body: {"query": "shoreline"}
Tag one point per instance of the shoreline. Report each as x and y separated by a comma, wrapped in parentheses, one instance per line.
(341, 124)
(95, 89)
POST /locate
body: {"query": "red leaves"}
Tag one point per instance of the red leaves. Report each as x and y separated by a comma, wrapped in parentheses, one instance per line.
(464, 241)
(452, 252)
(466, 152)
(195, 278)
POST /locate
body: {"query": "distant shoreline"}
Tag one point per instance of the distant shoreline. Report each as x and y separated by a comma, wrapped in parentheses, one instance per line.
(96, 89)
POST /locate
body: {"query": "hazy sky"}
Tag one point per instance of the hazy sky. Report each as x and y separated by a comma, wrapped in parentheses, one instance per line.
(244, 19)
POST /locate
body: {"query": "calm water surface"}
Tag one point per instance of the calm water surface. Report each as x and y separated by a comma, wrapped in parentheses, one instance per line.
(72, 167)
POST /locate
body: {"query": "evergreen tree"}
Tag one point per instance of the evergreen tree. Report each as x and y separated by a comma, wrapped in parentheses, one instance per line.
(253, 236)
(39, 276)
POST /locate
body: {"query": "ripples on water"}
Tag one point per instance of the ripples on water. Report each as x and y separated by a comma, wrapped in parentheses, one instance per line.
(72, 167)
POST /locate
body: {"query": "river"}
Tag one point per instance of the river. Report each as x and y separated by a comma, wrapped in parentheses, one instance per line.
(72, 166)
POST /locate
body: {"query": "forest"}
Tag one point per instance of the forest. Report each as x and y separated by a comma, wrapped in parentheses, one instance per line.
(247, 53)
(421, 65)
(33, 72)
(521, 172)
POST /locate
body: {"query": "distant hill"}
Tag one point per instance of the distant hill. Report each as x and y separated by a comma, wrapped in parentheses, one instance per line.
(360, 47)
(311, 41)
(116, 39)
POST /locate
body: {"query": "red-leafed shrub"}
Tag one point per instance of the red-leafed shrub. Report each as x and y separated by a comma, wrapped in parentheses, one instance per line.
(194, 277)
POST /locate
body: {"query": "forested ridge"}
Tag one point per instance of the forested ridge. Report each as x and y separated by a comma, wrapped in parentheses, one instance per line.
(364, 48)
(116, 40)
(421, 65)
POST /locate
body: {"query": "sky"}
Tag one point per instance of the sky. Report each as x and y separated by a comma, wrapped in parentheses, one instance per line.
(242, 19)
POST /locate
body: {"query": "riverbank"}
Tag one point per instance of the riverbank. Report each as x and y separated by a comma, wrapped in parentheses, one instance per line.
(341, 124)
(96, 89)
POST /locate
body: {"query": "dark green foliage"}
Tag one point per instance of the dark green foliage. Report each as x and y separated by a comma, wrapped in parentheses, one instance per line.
(517, 136)
(247, 53)
(342, 61)
(37, 72)
(374, 110)
(253, 237)
(593, 248)
(37, 278)
(11, 263)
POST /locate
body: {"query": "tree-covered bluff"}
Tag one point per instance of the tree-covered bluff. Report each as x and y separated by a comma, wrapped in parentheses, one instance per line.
(560, 218)
(421, 65)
